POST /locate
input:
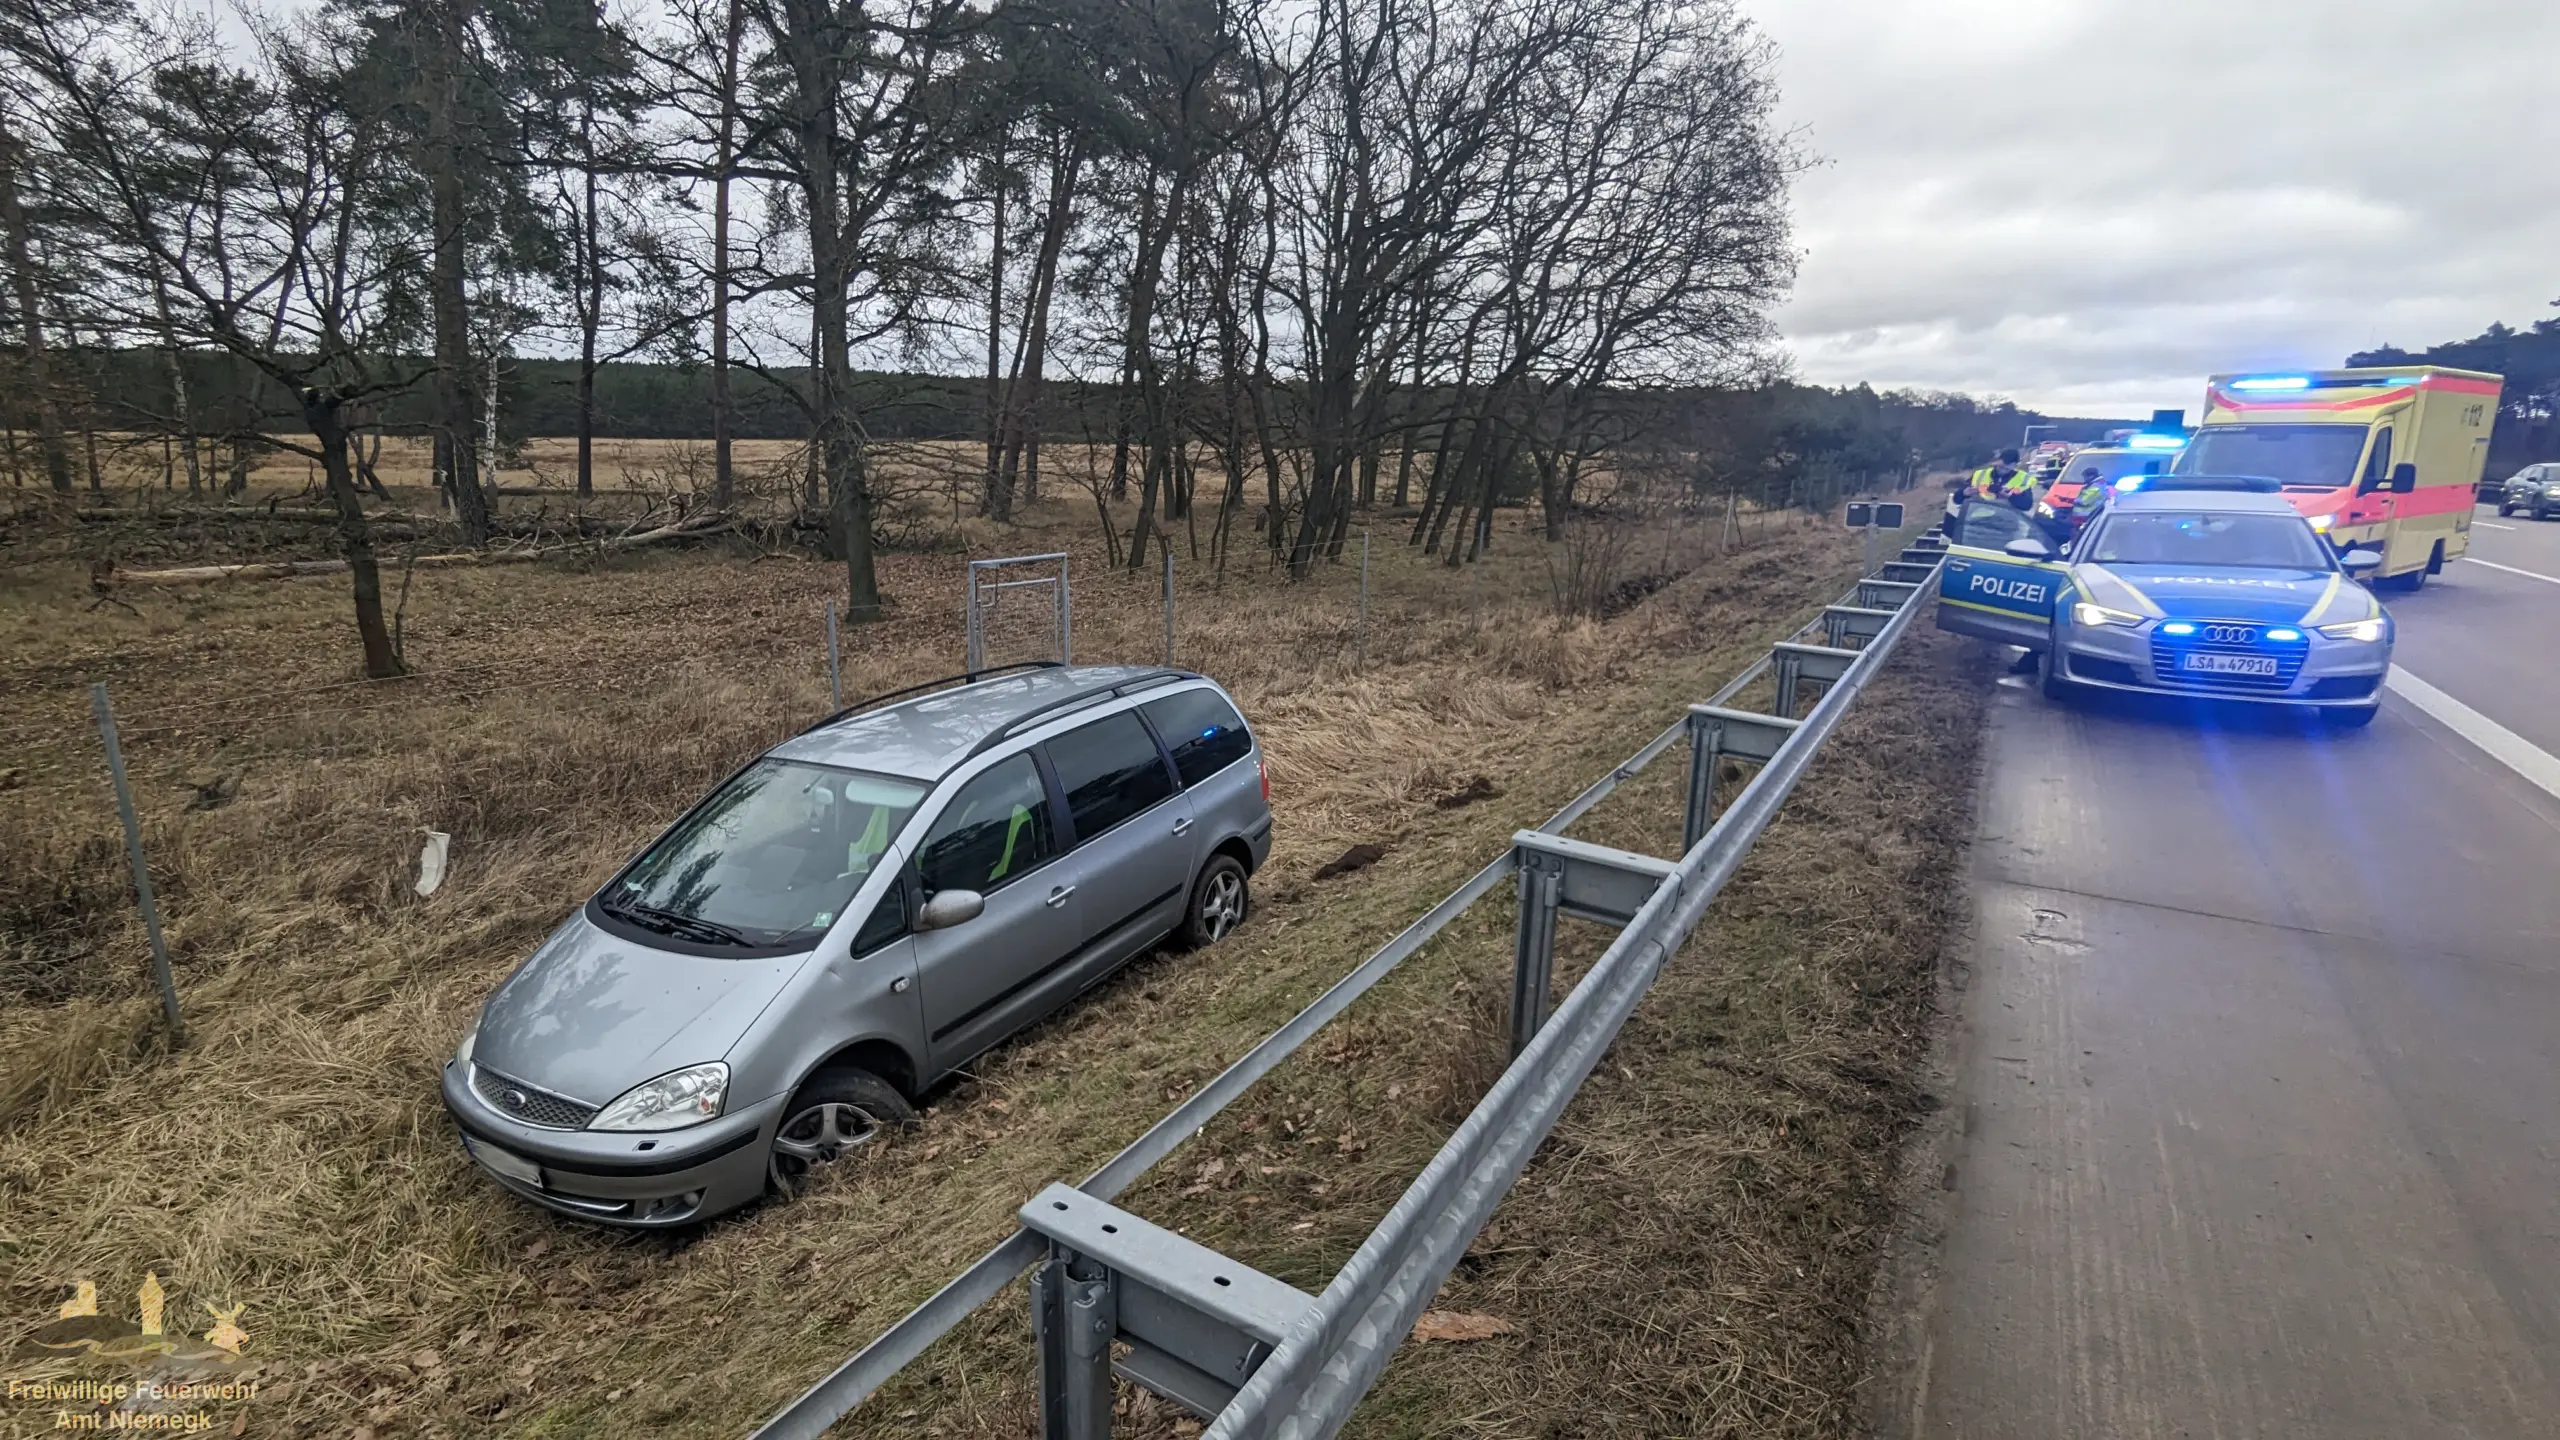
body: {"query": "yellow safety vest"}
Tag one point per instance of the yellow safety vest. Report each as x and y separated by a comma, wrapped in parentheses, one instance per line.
(1991, 487)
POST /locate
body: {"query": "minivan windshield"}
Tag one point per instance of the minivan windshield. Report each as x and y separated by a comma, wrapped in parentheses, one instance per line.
(2169, 537)
(768, 861)
(2322, 455)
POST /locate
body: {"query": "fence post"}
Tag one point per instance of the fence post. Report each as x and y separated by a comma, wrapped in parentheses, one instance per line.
(1168, 604)
(141, 869)
(1066, 616)
(1360, 652)
(835, 671)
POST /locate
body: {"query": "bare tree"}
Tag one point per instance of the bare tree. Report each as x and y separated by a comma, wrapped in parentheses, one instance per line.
(258, 194)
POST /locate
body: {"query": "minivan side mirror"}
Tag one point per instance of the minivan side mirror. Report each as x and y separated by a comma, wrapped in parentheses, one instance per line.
(2360, 563)
(2027, 547)
(2404, 478)
(957, 907)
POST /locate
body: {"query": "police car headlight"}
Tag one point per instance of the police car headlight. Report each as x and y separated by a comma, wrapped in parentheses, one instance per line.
(2085, 613)
(2367, 631)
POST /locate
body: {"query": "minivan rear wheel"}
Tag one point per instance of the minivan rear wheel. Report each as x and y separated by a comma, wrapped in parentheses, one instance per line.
(838, 1111)
(1219, 900)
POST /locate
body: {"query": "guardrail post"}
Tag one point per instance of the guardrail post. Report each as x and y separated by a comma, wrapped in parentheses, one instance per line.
(1842, 624)
(1885, 594)
(1796, 664)
(1072, 1321)
(1905, 572)
(1540, 877)
(1716, 733)
(1559, 875)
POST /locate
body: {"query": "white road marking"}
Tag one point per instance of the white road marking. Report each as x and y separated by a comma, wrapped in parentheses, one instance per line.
(2495, 740)
(2489, 525)
(2510, 569)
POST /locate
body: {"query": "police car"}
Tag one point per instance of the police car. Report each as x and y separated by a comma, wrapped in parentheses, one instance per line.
(2187, 584)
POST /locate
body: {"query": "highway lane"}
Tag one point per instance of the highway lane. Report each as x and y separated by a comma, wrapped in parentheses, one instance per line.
(2260, 1066)
(2487, 631)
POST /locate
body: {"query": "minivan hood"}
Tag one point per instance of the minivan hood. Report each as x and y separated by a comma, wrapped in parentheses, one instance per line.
(589, 1015)
(2229, 592)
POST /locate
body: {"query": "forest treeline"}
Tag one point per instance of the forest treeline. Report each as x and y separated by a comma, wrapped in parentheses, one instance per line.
(1294, 257)
(2528, 425)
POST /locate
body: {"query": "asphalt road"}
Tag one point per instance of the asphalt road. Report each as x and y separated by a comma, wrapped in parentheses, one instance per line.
(2260, 1060)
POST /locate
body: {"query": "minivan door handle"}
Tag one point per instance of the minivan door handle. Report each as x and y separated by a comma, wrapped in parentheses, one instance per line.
(1058, 896)
(1182, 825)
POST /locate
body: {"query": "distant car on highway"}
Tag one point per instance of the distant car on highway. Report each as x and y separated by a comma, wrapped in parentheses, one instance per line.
(2191, 585)
(2535, 490)
(2106, 464)
(849, 919)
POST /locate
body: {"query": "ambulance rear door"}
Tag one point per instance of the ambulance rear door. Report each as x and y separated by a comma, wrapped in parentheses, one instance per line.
(1984, 590)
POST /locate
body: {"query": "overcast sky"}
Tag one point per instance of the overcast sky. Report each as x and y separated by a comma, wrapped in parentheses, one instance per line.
(2089, 205)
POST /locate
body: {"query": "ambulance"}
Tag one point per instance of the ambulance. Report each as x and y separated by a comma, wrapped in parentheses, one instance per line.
(2385, 459)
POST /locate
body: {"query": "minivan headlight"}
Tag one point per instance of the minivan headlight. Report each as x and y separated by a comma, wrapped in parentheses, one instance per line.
(2367, 631)
(670, 1102)
(2085, 613)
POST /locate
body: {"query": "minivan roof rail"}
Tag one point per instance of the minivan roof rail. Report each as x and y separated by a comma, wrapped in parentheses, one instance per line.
(965, 677)
(1076, 700)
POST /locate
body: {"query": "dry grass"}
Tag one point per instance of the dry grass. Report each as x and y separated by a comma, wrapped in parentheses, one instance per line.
(1685, 1259)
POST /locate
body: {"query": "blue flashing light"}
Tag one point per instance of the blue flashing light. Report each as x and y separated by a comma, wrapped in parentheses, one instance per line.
(2177, 627)
(2273, 382)
(2284, 633)
(1209, 734)
(2157, 442)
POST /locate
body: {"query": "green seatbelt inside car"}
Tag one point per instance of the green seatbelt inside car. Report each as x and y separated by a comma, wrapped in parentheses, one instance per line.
(1012, 832)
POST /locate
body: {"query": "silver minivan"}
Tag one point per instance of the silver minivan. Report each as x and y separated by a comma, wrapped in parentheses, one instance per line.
(850, 919)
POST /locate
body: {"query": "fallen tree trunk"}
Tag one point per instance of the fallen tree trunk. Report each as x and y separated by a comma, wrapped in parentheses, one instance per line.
(692, 529)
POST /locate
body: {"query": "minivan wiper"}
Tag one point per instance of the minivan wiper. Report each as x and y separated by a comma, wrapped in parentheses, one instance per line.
(676, 923)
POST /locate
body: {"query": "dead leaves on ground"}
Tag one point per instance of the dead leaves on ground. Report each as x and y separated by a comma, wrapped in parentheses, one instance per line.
(1456, 1326)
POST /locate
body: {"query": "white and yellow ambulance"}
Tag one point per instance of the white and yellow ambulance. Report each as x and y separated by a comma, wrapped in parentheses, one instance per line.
(2386, 458)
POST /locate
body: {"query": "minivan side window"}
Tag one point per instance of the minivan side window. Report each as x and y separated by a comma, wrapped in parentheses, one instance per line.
(1202, 730)
(995, 829)
(1110, 770)
(887, 921)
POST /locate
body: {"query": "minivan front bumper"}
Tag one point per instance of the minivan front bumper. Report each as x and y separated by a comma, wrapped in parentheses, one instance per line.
(627, 1178)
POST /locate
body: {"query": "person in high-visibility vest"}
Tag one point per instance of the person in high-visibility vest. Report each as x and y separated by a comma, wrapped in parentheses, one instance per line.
(2003, 480)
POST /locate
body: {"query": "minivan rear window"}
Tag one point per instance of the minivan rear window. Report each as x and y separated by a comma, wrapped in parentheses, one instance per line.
(1203, 731)
(1110, 770)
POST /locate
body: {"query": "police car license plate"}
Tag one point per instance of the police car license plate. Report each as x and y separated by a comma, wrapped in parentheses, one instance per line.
(514, 1167)
(2229, 664)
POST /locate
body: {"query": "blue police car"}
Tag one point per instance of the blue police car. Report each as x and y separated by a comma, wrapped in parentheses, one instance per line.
(2187, 584)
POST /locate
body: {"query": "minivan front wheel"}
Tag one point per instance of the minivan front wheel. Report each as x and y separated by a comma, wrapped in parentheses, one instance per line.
(1219, 901)
(836, 1112)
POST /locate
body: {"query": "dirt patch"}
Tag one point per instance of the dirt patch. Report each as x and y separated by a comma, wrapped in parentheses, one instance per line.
(1357, 858)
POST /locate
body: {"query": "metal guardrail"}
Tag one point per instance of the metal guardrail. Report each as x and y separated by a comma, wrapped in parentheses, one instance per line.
(1259, 1358)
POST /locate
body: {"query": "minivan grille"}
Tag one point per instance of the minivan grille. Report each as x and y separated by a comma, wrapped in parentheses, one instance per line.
(521, 1102)
(2225, 637)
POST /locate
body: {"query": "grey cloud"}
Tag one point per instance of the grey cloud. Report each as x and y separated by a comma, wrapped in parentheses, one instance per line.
(2091, 204)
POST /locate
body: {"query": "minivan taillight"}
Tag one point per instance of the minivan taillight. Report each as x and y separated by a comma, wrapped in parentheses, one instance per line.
(1265, 771)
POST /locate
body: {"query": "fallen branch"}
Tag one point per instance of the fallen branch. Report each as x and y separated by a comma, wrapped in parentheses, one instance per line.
(694, 528)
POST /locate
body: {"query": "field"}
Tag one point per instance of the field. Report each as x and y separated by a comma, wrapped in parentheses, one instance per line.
(1689, 1256)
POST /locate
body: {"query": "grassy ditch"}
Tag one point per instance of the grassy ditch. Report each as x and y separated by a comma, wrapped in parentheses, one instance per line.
(1719, 1190)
